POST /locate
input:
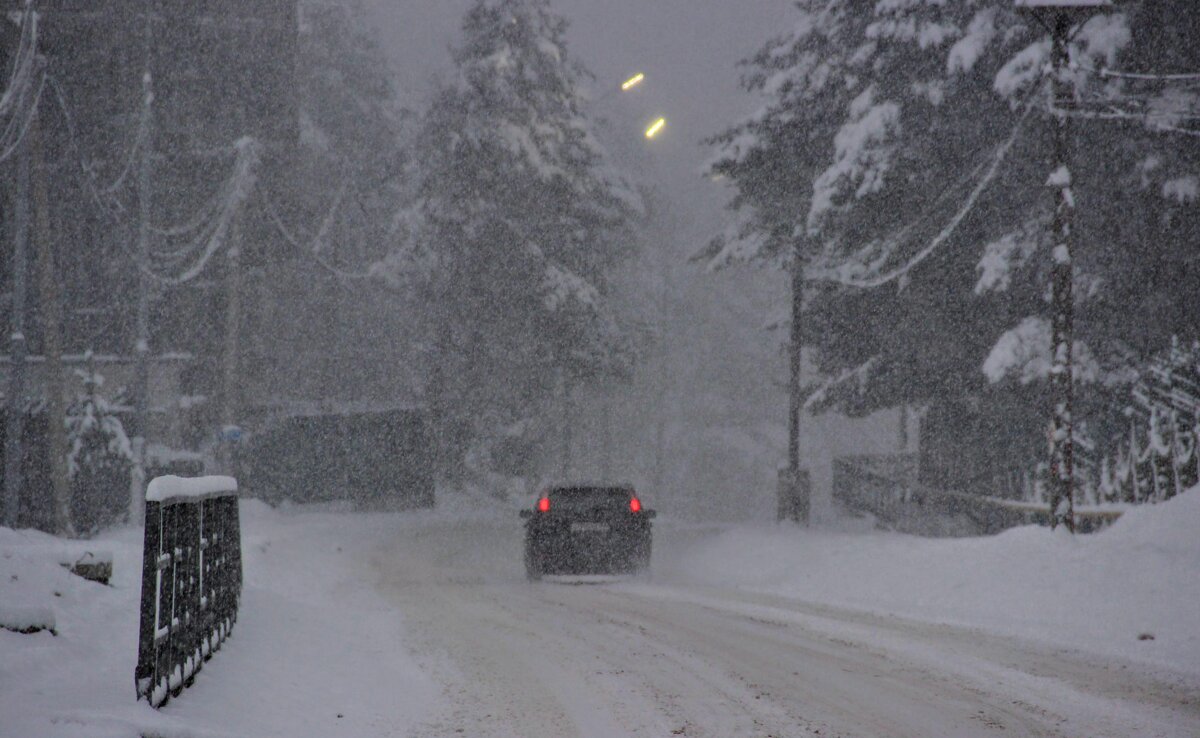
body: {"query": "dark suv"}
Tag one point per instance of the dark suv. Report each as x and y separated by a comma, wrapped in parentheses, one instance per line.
(587, 530)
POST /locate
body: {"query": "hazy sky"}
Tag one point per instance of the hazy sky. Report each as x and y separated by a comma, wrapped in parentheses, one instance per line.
(688, 49)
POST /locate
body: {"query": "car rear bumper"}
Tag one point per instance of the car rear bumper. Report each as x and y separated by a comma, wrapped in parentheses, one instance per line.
(559, 550)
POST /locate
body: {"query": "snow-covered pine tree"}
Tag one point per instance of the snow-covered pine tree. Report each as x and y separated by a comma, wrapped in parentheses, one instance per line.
(771, 157)
(351, 129)
(520, 221)
(929, 212)
(324, 328)
(99, 456)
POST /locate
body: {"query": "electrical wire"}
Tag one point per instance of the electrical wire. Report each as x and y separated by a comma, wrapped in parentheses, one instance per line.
(1147, 119)
(88, 176)
(1111, 74)
(314, 251)
(830, 275)
(29, 116)
(213, 220)
(25, 59)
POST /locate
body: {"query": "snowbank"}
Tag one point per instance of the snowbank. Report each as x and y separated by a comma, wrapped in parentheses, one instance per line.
(1131, 591)
(316, 650)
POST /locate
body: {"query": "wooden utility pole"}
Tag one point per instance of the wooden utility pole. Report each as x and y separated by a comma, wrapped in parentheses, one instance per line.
(141, 349)
(568, 417)
(230, 395)
(1058, 18)
(793, 490)
(13, 448)
(794, 365)
(51, 309)
(1062, 441)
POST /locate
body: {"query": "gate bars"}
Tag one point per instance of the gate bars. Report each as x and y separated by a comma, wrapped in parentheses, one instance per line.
(191, 580)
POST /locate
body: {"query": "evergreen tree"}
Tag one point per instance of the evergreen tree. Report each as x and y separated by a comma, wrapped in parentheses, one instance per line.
(351, 131)
(99, 456)
(926, 257)
(520, 221)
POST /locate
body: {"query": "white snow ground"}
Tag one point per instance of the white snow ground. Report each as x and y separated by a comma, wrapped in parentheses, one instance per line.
(316, 651)
(422, 624)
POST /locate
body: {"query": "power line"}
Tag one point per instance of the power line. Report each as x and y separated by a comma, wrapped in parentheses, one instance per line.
(212, 220)
(29, 116)
(313, 251)
(829, 275)
(1109, 73)
(1152, 121)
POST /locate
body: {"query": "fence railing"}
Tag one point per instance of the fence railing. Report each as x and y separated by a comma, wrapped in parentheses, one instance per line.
(191, 580)
(887, 487)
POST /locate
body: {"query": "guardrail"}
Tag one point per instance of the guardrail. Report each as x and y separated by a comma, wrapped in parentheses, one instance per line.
(191, 580)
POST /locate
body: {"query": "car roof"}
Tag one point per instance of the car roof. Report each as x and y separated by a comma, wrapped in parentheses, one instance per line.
(592, 488)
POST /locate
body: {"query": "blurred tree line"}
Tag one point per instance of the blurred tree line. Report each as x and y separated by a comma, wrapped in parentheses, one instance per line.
(312, 242)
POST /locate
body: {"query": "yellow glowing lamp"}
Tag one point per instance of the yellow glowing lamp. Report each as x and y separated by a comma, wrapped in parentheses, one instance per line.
(633, 81)
(655, 127)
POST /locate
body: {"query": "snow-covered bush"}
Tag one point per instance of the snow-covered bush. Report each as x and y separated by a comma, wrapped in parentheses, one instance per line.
(99, 456)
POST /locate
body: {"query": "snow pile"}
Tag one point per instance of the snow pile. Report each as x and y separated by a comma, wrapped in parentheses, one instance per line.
(316, 650)
(1131, 591)
(35, 581)
(172, 487)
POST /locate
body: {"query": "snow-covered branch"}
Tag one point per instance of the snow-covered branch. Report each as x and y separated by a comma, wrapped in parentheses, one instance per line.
(843, 275)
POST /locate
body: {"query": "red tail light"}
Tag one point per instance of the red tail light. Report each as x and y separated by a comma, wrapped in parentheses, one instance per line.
(544, 504)
(635, 505)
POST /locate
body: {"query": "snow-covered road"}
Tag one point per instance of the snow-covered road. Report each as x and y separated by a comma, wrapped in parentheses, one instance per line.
(422, 624)
(664, 656)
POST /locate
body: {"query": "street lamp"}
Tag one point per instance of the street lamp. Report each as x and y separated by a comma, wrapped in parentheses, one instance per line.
(632, 82)
(1058, 17)
(655, 127)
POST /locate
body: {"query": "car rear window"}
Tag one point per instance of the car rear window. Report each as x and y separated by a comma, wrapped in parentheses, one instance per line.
(588, 498)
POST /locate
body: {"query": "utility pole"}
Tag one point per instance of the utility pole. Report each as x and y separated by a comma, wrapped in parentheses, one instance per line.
(793, 489)
(233, 318)
(51, 309)
(141, 351)
(606, 434)
(13, 448)
(794, 366)
(567, 413)
(1059, 18)
(1062, 441)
